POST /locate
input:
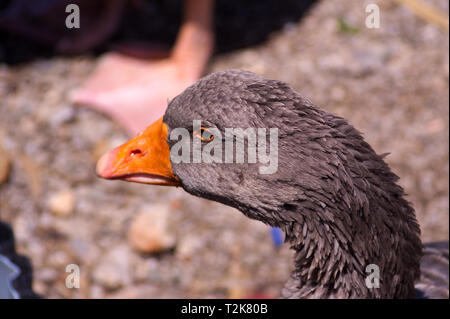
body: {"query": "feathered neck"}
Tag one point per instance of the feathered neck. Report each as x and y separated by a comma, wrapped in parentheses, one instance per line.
(341, 210)
(347, 223)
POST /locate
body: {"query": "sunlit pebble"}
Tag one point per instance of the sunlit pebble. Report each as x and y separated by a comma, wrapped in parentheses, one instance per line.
(188, 247)
(40, 288)
(62, 116)
(435, 126)
(113, 270)
(46, 275)
(149, 231)
(62, 203)
(58, 258)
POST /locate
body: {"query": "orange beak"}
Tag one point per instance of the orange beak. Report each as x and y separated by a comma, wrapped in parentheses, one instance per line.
(143, 159)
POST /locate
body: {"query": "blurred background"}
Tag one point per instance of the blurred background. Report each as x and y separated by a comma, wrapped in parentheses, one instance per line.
(138, 241)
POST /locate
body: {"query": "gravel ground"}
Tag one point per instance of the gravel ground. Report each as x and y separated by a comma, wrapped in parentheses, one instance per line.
(391, 83)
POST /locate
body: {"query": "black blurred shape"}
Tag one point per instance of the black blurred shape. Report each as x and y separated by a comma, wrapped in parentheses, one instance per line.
(238, 24)
(23, 282)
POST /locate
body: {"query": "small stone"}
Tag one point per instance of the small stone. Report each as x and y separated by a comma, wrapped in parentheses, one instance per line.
(188, 247)
(149, 231)
(40, 287)
(62, 116)
(141, 270)
(62, 203)
(47, 275)
(58, 259)
(113, 271)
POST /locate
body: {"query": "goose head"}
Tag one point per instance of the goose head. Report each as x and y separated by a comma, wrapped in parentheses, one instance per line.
(257, 145)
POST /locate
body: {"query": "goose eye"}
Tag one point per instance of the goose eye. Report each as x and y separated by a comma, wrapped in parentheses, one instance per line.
(204, 134)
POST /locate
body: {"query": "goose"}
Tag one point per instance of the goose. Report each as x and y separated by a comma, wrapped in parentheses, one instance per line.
(353, 232)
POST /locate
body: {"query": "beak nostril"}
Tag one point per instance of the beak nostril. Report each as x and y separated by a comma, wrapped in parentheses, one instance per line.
(135, 152)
